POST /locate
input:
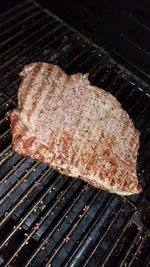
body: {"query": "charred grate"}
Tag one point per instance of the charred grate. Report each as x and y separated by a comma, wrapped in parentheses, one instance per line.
(47, 219)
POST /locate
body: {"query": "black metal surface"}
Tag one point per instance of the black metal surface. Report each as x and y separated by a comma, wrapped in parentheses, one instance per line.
(121, 27)
(47, 219)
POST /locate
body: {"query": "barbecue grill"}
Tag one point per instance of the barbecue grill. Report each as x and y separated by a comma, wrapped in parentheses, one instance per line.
(48, 219)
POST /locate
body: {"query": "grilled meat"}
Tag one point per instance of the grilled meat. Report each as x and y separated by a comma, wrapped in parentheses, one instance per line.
(76, 128)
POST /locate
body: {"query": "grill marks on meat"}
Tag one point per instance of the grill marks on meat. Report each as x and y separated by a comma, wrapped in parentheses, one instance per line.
(76, 128)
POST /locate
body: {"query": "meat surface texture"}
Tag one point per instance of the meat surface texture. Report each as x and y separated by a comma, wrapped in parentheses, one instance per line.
(76, 128)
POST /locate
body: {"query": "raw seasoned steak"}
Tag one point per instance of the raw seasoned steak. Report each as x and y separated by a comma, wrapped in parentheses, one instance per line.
(76, 128)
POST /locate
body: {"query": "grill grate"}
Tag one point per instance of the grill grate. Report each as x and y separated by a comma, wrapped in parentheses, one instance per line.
(47, 219)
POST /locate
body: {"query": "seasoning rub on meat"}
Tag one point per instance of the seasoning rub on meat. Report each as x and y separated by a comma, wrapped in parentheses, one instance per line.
(76, 128)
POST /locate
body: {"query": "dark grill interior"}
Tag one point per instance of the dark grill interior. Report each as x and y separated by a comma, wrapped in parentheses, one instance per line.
(47, 219)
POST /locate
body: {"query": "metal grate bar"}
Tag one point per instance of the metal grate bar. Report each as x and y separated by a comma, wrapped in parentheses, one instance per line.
(103, 72)
(2, 135)
(82, 61)
(37, 53)
(94, 73)
(30, 35)
(144, 158)
(4, 141)
(63, 58)
(16, 184)
(38, 222)
(8, 52)
(127, 61)
(138, 251)
(74, 59)
(11, 31)
(139, 22)
(88, 63)
(24, 197)
(140, 119)
(3, 123)
(122, 264)
(116, 77)
(147, 262)
(9, 173)
(28, 212)
(87, 232)
(18, 16)
(135, 254)
(126, 101)
(99, 240)
(40, 30)
(59, 54)
(115, 242)
(136, 109)
(125, 37)
(15, 9)
(5, 106)
(5, 154)
(71, 229)
(144, 135)
(58, 221)
(125, 248)
(122, 88)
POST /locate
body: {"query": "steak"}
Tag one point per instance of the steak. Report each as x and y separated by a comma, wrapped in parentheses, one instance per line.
(76, 128)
